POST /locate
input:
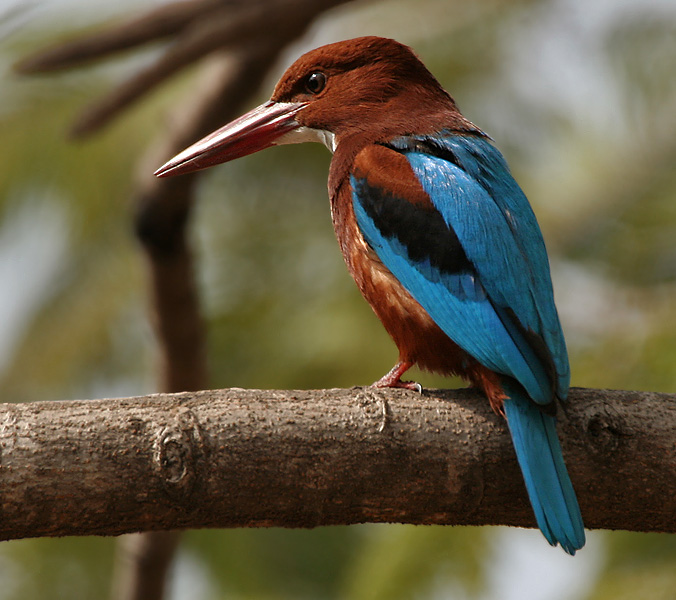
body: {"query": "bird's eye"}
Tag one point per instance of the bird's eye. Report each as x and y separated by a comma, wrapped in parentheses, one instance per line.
(315, 82)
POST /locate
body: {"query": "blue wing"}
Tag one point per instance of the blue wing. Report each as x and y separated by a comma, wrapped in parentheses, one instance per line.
(452, 225)
(498, 303)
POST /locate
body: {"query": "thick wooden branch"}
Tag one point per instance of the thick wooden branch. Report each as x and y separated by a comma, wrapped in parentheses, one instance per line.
(251, 458)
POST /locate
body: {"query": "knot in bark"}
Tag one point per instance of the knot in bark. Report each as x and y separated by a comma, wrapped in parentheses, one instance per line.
(179, 452)
(605, 426)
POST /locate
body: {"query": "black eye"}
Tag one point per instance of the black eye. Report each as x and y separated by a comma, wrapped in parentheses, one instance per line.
(315, 82)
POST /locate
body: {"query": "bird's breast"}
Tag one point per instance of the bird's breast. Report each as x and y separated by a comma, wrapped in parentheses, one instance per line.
(418, 338)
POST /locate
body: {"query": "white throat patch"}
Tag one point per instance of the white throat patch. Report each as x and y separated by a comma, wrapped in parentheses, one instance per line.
(307, 134)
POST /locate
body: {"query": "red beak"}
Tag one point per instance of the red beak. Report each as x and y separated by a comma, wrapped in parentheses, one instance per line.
(258, 129)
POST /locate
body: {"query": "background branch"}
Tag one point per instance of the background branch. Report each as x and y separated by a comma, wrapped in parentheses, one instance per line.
(197, 28)
(248, 458)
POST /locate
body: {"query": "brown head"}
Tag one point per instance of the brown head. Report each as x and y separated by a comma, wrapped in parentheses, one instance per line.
(368, 86)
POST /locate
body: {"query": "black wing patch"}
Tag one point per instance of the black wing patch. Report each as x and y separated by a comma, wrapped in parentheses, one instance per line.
(421, 230)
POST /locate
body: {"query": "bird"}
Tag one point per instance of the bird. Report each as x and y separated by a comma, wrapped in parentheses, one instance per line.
(438, 236)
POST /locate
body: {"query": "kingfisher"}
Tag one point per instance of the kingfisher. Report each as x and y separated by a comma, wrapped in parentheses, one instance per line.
(438, 236)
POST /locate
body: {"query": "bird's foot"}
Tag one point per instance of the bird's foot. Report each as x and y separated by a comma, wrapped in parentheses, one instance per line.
(393, 379)
(407, 385)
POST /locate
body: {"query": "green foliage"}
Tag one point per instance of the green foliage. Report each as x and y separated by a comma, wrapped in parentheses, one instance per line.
(404, 561)
(368, 562)
(73, 568)
(309, 563)
(639, 565)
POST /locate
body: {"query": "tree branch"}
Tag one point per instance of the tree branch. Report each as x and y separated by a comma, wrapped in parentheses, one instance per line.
(250, 458)
(195, 28)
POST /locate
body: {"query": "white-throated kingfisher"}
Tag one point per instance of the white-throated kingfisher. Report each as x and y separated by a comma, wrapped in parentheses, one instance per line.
(438, 236)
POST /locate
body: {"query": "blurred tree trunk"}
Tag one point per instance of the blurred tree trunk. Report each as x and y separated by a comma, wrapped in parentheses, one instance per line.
(251, 458)
(243, 44)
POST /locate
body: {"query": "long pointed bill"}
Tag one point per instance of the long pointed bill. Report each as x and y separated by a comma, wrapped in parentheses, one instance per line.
(258, 129)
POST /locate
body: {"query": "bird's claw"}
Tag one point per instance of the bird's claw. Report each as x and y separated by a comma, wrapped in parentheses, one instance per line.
(406, 385)
(393, 378)
(411, 385)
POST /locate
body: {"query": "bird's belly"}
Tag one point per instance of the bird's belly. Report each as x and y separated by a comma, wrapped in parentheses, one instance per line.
(419, 339)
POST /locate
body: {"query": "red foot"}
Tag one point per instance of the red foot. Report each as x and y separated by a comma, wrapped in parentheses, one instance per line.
(393, 378)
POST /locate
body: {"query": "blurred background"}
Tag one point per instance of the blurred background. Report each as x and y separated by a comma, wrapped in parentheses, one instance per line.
(580, 95)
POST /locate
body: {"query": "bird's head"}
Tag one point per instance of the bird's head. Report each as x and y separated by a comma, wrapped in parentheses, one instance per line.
(367, 86)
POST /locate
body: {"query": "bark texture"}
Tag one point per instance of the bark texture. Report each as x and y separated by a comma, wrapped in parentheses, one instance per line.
(253, 458)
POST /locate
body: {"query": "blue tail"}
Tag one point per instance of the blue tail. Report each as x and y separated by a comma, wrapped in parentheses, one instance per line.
(541, 460)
